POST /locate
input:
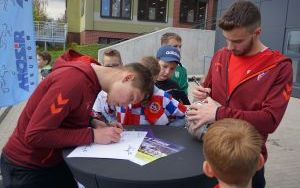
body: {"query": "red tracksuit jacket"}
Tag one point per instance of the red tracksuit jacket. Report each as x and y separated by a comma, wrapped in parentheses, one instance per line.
(56, 116)
(261, 98)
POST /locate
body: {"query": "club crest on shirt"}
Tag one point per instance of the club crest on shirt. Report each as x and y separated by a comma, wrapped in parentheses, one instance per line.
(218, 66)
(154, 107)
(261, 75)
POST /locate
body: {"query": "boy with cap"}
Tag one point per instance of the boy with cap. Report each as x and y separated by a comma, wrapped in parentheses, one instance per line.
(168, 59)
(180, 74)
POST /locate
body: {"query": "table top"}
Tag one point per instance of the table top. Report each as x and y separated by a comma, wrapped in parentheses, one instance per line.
(186, 164)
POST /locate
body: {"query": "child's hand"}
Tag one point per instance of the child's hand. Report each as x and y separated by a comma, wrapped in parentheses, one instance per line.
(107, 135)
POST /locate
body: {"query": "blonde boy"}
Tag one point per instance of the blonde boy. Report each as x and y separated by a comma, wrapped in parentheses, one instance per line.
(101, 110)
(232, 149)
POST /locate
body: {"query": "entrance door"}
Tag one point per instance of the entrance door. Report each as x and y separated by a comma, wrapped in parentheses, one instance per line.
(292, 50)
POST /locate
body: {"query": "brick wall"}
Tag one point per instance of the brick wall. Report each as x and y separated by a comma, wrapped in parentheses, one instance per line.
(92, 37)
(176, 16)
(211, 13)
(73, 37)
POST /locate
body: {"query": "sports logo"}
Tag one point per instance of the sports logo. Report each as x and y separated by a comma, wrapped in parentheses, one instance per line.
(261, 75)
(154, 107)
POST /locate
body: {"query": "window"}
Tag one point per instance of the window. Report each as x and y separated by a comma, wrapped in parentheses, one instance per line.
(293, 43)
(296, 70)
(292, 49)
(192, 11)
(106, 40)
(152, 10)
(116, 9)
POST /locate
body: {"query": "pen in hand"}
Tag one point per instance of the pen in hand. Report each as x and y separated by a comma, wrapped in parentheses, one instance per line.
(115, 124)
(195, 80)
(204, 90)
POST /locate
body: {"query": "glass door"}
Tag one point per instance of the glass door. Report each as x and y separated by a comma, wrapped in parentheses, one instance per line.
(292, 50)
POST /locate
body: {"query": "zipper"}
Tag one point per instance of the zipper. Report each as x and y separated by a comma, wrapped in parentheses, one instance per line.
(244, 80)
(227, 97)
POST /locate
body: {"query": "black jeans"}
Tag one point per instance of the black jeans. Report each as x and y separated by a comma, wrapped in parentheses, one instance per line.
(17, 176)
(258, 180)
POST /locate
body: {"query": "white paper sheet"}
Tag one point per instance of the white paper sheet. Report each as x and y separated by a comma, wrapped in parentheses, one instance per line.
(126, 148)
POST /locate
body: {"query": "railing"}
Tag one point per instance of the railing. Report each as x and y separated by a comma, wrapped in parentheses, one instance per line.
(52, 32)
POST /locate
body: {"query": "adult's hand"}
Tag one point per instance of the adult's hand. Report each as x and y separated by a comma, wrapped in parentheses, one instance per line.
(116, 124)
(203, 114)
(201, 93)
(97, 123)
(107, 135)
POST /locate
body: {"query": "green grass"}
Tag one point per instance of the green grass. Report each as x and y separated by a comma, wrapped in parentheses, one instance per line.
(91, 50)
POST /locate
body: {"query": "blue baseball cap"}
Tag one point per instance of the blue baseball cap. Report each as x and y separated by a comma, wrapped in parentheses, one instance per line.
(168, 53)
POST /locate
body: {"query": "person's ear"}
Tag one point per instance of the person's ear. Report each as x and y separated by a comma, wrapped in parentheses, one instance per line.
(128, 77)
(208, 170)
(261, 162)
(257, 31)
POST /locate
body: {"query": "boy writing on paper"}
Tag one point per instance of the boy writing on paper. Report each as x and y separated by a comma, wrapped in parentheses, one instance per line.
(56, 116)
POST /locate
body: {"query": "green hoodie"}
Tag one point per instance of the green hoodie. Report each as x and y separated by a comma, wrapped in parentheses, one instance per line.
(180, 77)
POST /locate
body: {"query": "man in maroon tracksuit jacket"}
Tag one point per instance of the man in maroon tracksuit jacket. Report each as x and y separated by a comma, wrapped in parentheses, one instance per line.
(57, 116)
(246, 80)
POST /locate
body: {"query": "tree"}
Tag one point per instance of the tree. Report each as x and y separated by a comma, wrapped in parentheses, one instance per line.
(39, 10)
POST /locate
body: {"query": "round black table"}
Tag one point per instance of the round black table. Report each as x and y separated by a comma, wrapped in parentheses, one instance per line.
(182, 169)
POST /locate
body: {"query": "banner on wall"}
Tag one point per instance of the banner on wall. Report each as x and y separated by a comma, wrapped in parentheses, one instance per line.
(18, 66)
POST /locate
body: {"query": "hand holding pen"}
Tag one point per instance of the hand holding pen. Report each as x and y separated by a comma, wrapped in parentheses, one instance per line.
(115, 124)
(199, 92)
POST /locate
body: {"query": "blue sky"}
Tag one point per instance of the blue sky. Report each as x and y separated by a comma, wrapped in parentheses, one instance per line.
(55, 8)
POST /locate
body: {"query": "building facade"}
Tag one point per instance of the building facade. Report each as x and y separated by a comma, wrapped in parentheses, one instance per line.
(107, 21)
(280, 30)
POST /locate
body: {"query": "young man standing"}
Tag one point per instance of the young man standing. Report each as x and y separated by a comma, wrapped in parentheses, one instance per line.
(246, 80)
(57, 116)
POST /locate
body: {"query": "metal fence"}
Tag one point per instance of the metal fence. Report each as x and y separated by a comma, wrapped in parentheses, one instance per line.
(52, 32)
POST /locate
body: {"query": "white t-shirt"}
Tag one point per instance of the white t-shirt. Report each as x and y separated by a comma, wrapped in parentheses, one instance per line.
(102, 107)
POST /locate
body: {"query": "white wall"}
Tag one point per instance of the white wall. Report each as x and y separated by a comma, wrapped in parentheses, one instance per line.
(197, 48)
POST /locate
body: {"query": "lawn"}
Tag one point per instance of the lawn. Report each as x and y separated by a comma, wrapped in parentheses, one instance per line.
(91, 50)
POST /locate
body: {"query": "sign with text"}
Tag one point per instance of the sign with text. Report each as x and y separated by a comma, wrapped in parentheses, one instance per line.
(18, 65)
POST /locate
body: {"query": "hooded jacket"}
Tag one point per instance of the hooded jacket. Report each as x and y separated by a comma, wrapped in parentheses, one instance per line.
(260, 98)
(56, 116)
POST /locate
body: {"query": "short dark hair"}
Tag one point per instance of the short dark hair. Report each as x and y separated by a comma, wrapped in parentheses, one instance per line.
(241, 14)
(45, 56)
(143, 80)
(167, 36)
(152, 64)
(113, 53)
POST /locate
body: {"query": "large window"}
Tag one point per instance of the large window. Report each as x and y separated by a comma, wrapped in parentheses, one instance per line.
(293, 42)
(292, 49)
(116, 9)
(152, 10)
(192, 11)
